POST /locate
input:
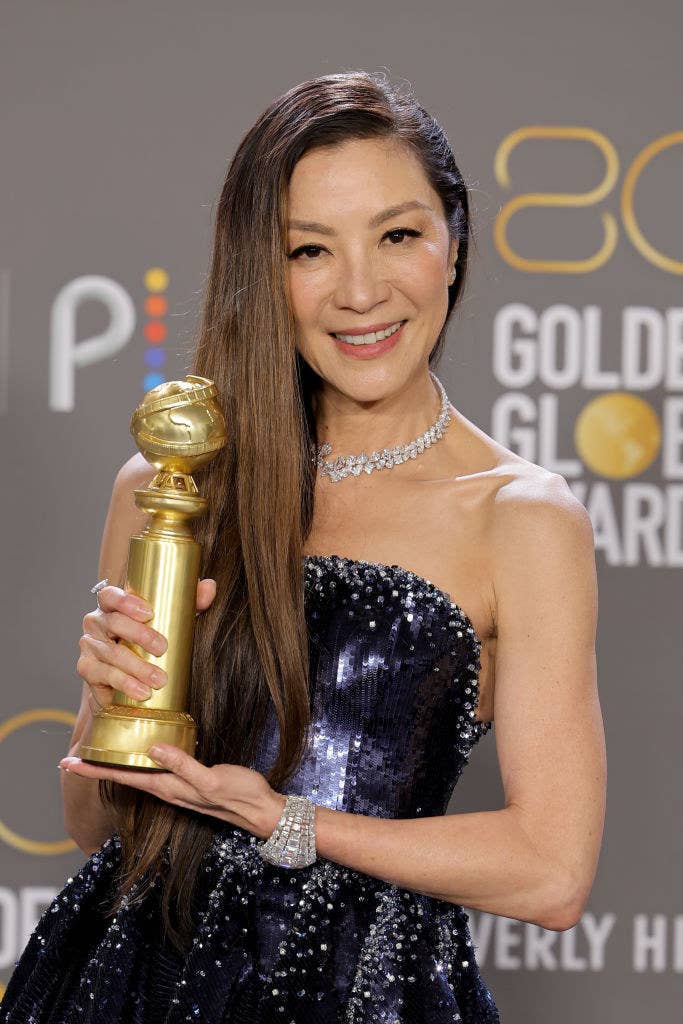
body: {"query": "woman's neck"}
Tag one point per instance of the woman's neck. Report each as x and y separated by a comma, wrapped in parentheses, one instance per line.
(352, 427)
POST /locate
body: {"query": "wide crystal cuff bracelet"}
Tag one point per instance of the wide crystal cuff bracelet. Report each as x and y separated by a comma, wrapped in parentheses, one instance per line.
(292, 842)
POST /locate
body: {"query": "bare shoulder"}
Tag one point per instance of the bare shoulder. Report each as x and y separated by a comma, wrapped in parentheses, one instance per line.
(124, 518)
(506, 479)
(541, 541)
(539, 503)
(515, 496)
(135, 472)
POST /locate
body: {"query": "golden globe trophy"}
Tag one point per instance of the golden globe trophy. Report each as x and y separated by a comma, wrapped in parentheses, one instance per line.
(179, 427)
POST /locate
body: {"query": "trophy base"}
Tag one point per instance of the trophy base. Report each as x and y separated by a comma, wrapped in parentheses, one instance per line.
(121, 735)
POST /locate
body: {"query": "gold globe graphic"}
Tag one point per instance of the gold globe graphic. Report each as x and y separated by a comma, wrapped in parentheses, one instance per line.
(179, 426)
(618, 435)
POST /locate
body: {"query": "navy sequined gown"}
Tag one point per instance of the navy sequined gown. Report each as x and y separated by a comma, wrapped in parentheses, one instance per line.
(394, 687)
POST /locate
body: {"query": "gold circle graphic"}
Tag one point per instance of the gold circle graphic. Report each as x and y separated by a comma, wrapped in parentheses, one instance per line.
(617, 435)
(11, 725)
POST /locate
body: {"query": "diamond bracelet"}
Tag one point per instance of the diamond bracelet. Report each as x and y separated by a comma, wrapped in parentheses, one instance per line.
(292, 842)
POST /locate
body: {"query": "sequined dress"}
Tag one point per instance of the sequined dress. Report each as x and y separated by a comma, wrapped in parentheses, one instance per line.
(394, 686)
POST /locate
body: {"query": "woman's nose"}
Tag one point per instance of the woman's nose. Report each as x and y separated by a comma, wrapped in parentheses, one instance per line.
(360, 285)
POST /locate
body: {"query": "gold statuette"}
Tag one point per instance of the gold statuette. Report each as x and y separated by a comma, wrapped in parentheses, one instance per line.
(179, 427)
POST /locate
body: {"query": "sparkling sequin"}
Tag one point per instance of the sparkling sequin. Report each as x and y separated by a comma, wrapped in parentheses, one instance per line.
(394, 692)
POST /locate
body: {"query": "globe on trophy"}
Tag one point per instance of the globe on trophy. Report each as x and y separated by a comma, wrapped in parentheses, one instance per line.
(179, 427)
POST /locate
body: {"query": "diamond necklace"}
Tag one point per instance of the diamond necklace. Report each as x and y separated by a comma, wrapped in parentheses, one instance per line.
(342, 466)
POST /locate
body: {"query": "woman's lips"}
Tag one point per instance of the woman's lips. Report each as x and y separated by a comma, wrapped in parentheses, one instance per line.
(369, 351)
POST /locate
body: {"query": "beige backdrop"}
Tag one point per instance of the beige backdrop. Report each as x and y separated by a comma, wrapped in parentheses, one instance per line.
(117, 122)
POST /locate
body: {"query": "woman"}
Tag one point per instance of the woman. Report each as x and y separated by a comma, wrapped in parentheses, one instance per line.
(327, 665)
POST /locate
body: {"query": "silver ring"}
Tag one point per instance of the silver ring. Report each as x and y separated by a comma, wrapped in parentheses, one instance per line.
(96, 591)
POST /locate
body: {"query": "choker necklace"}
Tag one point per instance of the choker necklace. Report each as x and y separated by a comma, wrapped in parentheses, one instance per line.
(342, 466)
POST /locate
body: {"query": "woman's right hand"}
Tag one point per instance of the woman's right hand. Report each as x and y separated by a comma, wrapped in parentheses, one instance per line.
(106, 665)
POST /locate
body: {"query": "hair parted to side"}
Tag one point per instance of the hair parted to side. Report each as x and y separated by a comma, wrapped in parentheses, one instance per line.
(251, 645)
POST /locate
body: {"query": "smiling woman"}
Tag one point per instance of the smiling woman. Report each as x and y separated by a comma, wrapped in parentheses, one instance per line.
(303, 867)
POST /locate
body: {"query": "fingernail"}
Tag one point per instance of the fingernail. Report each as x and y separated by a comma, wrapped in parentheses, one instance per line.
(142, 609)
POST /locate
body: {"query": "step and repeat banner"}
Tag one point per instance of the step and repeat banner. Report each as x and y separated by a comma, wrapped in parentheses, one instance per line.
(117, 124)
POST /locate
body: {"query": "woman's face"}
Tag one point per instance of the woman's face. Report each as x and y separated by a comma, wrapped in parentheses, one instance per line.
(354, 265)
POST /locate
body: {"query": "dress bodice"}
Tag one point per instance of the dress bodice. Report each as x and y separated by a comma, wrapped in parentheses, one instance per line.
(394, 676)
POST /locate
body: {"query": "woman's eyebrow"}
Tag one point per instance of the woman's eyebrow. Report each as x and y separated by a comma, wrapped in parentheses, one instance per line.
(379, 218)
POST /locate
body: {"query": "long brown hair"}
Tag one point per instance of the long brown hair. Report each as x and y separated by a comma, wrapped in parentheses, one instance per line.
(251, 644)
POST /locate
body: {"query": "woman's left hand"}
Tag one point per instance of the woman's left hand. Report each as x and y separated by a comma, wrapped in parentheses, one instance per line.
(231, 792)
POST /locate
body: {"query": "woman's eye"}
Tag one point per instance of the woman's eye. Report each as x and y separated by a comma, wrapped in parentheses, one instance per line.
(306, 249)
(403, 231)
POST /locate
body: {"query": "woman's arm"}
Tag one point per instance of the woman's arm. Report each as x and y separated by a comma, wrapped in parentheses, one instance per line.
(86, 818)
(534, 859)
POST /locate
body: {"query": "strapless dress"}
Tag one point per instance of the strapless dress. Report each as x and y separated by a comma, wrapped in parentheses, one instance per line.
(394, 671)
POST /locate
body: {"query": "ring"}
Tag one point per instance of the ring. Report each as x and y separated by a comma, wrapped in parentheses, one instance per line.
(96, 590)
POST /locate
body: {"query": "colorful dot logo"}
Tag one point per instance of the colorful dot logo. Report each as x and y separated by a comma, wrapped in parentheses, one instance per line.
(155, 330)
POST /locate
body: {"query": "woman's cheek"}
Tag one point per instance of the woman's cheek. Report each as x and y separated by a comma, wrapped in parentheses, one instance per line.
(424, 277)
(306, 292)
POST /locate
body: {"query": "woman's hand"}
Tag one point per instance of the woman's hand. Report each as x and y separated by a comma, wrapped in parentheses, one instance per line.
(231, 792)
(106, 665)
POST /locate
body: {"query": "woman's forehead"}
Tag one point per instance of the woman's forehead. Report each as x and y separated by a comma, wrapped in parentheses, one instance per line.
(364, 176)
